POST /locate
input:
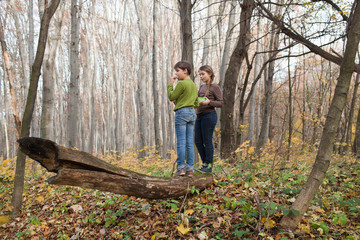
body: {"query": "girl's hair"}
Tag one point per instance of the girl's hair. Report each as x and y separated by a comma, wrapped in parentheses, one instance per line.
(183, 65)
(210, 71)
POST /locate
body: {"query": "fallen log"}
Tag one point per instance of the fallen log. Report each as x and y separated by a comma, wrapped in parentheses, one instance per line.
(78, 168)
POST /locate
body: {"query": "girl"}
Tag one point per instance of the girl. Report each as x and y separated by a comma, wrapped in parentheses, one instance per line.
(185, 97)
(206, 117)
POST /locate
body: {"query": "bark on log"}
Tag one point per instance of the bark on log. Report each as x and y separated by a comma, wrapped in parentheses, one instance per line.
(77, 168)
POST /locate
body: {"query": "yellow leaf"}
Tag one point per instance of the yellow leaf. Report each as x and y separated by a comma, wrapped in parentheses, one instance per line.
(40, 198)
(189, 212)
(251, 150)
(4, 219)
(182, 229)
(320, 210)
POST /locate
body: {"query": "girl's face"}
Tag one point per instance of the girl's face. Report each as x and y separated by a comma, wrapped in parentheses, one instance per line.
(181, 74)
(204, 76)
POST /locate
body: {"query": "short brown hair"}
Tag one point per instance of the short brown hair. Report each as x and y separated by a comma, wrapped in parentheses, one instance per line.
(184, 65)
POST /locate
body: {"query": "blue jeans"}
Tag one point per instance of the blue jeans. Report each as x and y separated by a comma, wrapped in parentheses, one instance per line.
(204, 129)
(184, 127)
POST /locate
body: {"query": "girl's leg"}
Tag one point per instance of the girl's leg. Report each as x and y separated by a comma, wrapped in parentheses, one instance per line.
(198, 138)
(208, 128)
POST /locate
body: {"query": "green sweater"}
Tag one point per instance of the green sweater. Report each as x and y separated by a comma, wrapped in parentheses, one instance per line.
(185, 94)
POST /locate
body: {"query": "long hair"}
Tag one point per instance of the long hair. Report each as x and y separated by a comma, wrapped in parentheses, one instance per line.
(210, 71)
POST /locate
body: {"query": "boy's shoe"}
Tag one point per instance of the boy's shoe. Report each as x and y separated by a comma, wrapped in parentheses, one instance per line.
(180, 172)
(205, 169)
(190, 173)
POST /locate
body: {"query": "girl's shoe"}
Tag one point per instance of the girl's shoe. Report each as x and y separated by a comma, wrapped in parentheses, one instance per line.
(205, 169)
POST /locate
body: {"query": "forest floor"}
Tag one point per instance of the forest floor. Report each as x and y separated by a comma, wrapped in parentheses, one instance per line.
(247, 200)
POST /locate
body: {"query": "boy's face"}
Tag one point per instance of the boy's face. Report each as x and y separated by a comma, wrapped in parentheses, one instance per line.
(181, 74)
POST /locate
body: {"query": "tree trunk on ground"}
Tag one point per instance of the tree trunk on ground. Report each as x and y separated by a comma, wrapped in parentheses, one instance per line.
(323, 157)
(73, 105)
(231, 77)
(77, 168)
(30, 103)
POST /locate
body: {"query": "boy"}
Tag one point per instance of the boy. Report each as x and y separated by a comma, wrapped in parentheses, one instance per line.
(185, 96)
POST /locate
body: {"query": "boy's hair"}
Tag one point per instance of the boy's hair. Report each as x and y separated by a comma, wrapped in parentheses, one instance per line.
(184, 65)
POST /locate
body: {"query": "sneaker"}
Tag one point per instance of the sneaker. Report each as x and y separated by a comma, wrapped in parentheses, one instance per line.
(180, 172)
(205, 169)
(190, 173)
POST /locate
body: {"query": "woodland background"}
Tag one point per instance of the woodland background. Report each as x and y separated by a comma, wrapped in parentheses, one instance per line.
(117, 83)
(106, 64)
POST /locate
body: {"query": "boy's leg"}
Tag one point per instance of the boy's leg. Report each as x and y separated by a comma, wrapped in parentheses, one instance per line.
(190, 142)
(180, 130)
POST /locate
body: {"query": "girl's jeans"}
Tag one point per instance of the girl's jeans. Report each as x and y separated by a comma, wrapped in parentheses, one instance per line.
(184, 127)
(204, 128)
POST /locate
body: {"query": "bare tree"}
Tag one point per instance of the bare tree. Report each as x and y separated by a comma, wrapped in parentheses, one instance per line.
(30, 104)
(338, 102)
(231, 78)
(10, 79)
(73, 103)
(155, 82)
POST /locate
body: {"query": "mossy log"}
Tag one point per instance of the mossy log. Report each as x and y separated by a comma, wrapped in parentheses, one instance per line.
(78, 168)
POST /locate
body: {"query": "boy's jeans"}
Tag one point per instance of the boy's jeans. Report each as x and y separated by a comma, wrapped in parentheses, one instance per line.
(184, 126)
(204, 129)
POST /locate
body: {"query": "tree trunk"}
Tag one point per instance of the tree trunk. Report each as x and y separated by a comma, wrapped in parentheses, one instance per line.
(264, 131)
(231, 77)
(73, 104)
(11, 80)
(30, 103)
(77, 168)
(349, 124)
(141, 84)
(155, 82)
(186, 32)
(206, 37)
(226, 51)
(323, 157)
(251, 136)
(290, 108)
(46, 127)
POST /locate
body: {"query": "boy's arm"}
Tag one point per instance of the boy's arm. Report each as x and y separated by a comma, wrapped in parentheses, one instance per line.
(174, 94)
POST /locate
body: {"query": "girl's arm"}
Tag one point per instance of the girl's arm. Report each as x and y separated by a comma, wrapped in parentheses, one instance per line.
(218, 97)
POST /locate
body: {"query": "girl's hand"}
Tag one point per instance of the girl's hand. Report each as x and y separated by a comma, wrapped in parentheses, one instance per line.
(204, 103)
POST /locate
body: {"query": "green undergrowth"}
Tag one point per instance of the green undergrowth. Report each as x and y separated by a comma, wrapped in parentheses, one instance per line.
(247, 201)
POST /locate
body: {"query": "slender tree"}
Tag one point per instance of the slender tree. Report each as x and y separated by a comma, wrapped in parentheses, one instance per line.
(73, 104)
(231, 78)
(322, 162)
(155, 94)
(49, 11)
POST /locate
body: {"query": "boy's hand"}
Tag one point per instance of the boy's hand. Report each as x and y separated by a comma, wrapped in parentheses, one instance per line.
(172, 79)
